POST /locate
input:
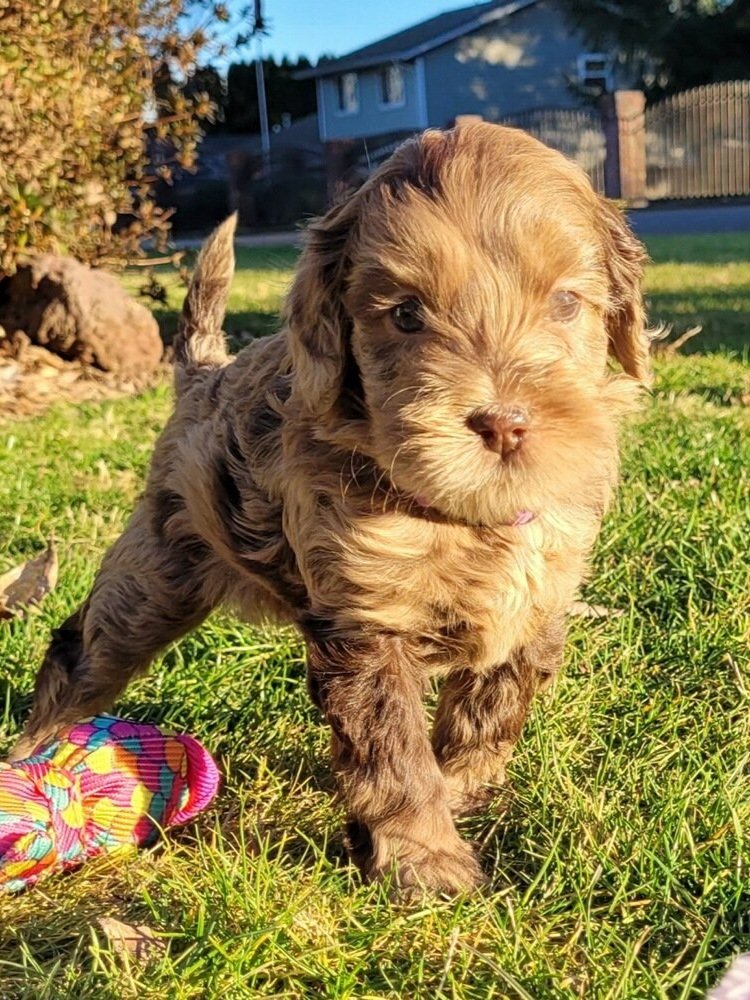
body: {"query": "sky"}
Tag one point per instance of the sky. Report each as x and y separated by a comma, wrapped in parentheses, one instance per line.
(314, 27)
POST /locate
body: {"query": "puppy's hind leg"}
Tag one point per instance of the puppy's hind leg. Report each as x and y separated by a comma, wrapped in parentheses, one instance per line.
(146, 595)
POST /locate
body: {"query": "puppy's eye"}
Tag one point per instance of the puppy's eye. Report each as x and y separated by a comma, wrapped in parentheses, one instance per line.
(407, 316)
(564, 306)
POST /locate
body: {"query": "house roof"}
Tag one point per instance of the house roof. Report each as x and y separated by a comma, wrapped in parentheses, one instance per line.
(420, 38)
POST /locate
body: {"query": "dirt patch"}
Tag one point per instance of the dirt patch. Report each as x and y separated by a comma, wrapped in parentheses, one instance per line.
(32, 379)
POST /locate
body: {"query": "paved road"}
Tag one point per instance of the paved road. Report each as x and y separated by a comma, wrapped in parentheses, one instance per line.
(245, 240)
(645, 221)
(689, 221)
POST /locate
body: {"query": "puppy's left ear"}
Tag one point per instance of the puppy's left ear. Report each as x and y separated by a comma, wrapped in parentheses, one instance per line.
(625, 319)
(319, 326)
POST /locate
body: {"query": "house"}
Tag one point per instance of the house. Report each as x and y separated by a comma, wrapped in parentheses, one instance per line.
(492, 59)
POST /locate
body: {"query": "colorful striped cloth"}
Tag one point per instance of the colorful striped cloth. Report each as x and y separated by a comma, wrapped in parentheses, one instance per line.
(107, 783)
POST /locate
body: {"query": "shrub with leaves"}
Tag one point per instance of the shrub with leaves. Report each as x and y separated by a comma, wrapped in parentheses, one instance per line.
(90, 116)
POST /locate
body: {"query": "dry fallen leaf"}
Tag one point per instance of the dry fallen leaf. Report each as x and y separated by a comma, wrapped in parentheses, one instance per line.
(660, 344)
(28, 583)
(581, 609)
(134, 940)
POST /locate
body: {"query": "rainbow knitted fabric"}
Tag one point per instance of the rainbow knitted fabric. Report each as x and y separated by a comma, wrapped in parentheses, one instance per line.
(105, 784)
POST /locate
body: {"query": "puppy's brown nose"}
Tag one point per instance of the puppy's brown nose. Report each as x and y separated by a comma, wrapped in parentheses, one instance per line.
(502, 431)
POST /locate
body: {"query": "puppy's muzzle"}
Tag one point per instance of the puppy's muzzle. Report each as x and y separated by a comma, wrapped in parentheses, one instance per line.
(502, 429)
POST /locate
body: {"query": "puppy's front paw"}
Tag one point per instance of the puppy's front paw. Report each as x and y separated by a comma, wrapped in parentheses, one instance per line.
(447, 873)
(449, 869)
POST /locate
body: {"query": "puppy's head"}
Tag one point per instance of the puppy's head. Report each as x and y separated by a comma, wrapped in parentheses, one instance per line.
(462, 307)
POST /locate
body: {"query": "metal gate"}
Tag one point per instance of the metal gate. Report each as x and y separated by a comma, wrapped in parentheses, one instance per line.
(698, 143)
(576, 132)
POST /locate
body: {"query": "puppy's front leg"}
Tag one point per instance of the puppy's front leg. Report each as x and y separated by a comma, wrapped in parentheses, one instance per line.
(370, 693)
(480, 716)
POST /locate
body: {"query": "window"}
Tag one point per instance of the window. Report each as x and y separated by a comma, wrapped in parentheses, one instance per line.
(348, 93)
(392, 85)
(595, 71)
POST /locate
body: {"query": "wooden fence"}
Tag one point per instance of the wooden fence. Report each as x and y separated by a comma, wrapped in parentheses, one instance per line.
(692, 145)
(698, 143)
(576, 132)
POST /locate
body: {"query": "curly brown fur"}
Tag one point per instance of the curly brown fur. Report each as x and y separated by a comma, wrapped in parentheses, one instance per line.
(480, 716)
(338, 475)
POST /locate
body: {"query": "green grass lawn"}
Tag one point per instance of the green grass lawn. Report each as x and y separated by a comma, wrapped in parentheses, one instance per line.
(619, 854)
(263, 275)
(702, 281)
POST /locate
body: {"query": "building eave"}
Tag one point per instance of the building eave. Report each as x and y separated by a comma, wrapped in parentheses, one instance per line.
(347, 64)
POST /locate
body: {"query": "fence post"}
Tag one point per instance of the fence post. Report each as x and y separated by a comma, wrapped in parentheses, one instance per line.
(624, 124)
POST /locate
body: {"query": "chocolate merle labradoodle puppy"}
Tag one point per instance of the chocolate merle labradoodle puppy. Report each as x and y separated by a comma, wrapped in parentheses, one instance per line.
(413, 471)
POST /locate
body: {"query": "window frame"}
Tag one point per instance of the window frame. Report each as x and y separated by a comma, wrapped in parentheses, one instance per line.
(341, 109)
(382, 86)
(606, 73)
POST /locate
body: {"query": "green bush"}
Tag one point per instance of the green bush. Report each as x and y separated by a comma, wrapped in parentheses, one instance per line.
(89, 119)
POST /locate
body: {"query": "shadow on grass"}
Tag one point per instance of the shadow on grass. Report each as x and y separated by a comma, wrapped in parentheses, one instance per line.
(719, 395)
(241, 327)
(261, 277)
(716, 297)
(707, 249)
(724, 316)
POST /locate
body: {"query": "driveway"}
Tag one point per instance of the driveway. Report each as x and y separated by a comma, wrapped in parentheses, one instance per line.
(274, 239)
(653, 221)
(657, 221)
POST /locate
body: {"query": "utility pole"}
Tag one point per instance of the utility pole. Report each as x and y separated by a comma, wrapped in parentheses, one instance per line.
(259, 29)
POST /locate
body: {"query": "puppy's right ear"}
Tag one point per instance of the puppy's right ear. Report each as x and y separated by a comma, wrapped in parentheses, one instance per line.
(319, 326)
(629, 341)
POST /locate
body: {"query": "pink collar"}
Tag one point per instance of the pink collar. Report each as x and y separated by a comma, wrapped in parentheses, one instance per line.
(521, 518)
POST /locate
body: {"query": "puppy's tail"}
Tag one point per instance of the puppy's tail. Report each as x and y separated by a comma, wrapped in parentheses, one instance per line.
(199, 345)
